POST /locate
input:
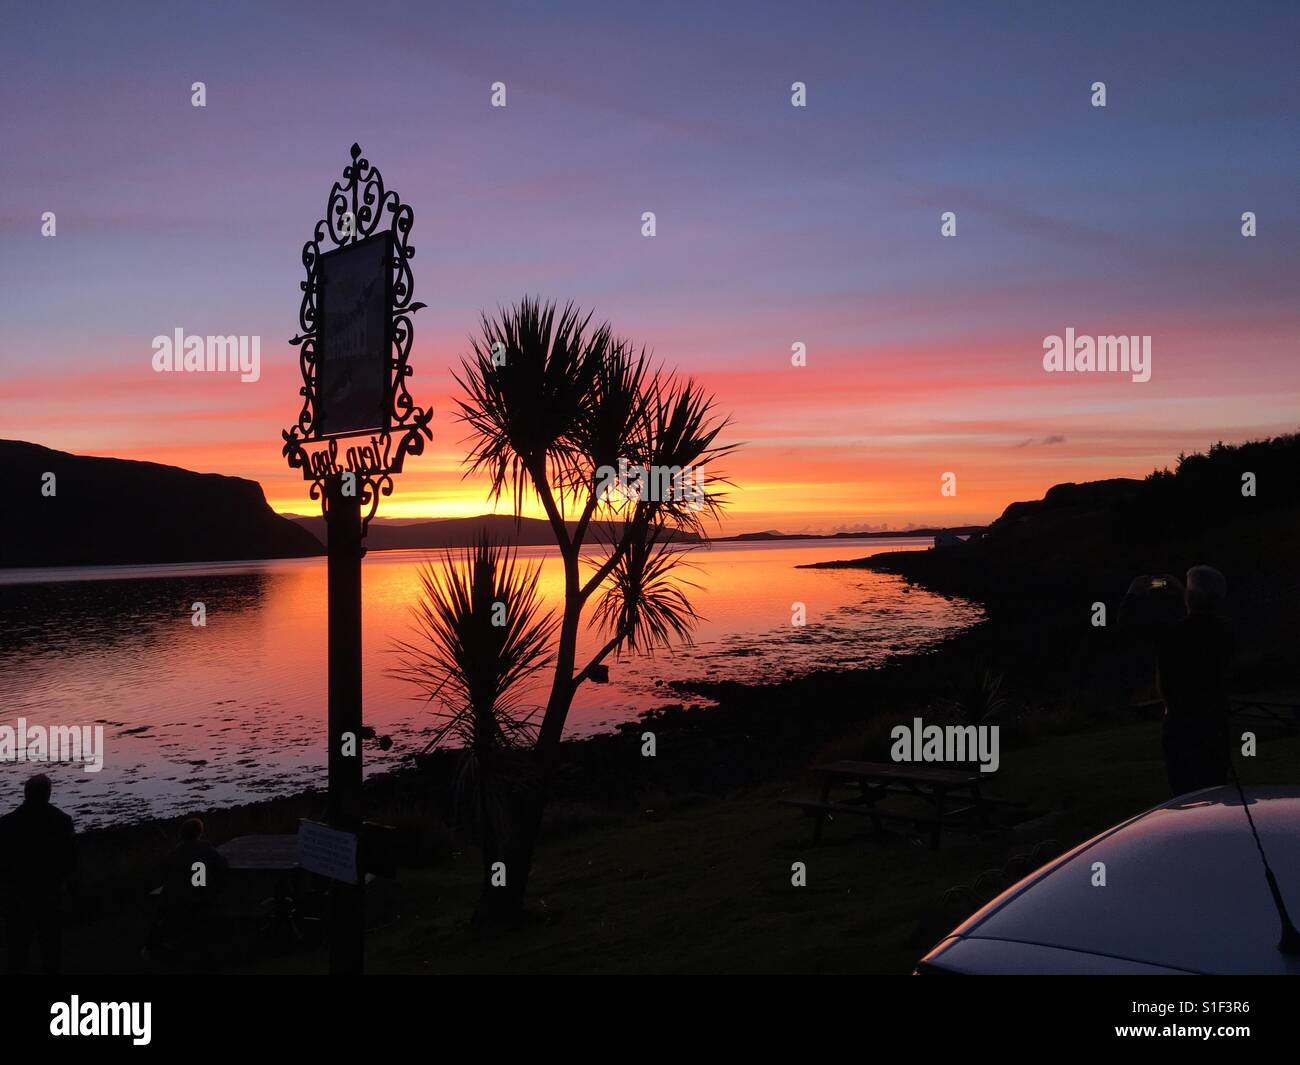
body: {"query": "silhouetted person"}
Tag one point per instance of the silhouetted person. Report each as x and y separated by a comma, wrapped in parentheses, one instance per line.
(193, 876)
(1193, 654)
(38, 852)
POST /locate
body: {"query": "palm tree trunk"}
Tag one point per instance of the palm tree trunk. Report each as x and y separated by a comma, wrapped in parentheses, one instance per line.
(529, 803)
(488, 905)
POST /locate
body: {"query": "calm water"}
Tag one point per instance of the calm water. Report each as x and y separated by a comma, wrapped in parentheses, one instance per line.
(235, 711)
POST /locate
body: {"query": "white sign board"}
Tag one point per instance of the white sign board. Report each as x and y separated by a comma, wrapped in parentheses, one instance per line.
(327, 851)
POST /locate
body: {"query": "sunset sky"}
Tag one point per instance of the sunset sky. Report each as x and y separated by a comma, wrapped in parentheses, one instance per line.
(776, 225)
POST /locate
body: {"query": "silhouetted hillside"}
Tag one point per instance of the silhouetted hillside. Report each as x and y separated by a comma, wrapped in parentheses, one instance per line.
(886, 534)
(1209, 501)
(1078, 532)
(113, 511)
(1043, 565)
(1205, 490)
(400, 534)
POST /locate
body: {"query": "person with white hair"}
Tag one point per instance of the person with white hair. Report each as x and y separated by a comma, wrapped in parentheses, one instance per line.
(1206, 589)
(1194, 651)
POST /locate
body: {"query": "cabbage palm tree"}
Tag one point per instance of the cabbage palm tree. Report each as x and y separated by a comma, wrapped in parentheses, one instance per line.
(554, 404)
(480, 635)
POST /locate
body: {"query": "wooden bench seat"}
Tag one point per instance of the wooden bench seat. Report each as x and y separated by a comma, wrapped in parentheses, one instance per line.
(874, 781)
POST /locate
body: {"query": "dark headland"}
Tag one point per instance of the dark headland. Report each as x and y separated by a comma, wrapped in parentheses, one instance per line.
(78, 510)
(1041, 567)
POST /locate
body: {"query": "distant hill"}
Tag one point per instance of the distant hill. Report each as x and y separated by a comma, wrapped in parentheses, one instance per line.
(113, 512)
(389, 534)
(404, 534)
(887, 534)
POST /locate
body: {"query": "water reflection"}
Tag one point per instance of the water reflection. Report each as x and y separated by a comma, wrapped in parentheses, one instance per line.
(234, 710)
(117, 613)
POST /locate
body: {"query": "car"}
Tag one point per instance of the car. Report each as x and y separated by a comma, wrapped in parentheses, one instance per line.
(1179, 889)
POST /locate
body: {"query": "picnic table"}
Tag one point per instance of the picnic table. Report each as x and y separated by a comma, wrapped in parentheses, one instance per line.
(951, 798)
(262, 853)
(269, 861)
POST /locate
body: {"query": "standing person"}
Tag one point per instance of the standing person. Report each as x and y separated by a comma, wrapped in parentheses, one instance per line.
(38, 852)
(1193, 655)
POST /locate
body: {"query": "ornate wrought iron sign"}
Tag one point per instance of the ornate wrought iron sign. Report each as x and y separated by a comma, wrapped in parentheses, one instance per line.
(355, 341)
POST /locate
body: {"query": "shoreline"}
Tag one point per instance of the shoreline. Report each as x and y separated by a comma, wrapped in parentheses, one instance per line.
(753, 735)
(73, 572)
(230, 769)
(747, 726)
(750, 733)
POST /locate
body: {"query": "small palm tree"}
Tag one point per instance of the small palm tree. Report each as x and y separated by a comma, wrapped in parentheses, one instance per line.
(981, 697)
(553, 404)
(481, 634)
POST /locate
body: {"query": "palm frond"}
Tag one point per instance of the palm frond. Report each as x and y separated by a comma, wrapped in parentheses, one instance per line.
(683, 437)
(644, 604)
(980, 697)
(480, 634)
(528, 385)
(615, 420)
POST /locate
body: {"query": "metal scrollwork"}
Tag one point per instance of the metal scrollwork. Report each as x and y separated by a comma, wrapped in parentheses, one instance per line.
(355, 210)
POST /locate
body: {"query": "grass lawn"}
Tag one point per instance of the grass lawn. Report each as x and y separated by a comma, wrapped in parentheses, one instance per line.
(707, 887)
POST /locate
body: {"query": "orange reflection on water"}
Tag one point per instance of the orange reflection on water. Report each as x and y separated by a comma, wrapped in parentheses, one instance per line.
(234, 710)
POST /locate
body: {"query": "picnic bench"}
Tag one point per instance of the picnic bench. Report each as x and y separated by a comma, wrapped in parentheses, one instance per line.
(951, 798)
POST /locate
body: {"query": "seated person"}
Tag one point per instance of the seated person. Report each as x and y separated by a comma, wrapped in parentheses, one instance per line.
(193, 876)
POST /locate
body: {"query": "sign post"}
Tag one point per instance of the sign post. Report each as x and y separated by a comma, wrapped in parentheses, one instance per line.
(343, 525)
(357, 425)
